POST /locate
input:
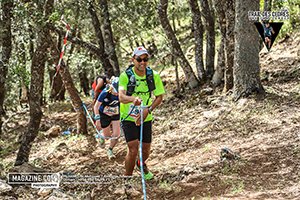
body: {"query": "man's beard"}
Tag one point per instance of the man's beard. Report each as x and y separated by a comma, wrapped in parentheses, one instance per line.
(141, 68)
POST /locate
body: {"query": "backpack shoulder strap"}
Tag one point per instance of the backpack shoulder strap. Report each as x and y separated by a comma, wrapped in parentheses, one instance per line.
(131, 80)
(129, 70)
(96, 79)
(104, 79)
(150, 79)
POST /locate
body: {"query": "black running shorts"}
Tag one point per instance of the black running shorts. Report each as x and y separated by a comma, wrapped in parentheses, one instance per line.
(268, 36)
(132, 131)
(105, 120)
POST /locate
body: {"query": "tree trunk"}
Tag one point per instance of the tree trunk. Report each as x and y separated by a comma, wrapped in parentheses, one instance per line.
(142, 42)
(173, 26)
(36, 88)
(6, 47)
(108, 37)
(220, 67)
(23, 94)
(177, 78)
(108, 68)
(198, 35)
(219, 72)
(187, 69)
(70, 87)
(152, 49)
(58, 90)
(210, 38)
(84, 81)
(246, 64)
(130, 44)
(31, 42)
(22, 77)
(229, 43)
(76, 101)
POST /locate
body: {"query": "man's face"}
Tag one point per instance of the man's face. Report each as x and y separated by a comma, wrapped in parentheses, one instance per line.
(141, 62)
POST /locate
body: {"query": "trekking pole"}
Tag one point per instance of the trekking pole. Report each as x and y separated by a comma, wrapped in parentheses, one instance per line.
(98, 132)
(141, 152)
(90, 117)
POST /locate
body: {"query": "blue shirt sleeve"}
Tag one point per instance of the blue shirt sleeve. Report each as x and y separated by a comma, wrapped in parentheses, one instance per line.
(102, 96)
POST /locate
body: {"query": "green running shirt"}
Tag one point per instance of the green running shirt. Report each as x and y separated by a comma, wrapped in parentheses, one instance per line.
(141, 91)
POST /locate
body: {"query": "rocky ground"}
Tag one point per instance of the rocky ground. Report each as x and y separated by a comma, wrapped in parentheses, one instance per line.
(189, 133)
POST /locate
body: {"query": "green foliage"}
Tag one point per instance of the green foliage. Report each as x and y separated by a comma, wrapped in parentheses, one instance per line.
(134, 22)
(54, 16)
(19, 68)
(165, 185)
(294, 17)
(278, 4)
(293, 7)
(238, 187)
(261, 4)
(294, 11)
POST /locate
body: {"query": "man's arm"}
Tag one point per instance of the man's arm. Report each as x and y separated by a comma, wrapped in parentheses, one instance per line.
(97, 116)
(158, 99)
(272, 31)
(123, 98)
(158, 92)
(96, 107)
(99, 101)
(156, 102)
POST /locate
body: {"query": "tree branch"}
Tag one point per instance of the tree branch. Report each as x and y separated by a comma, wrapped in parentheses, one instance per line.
(75, 40)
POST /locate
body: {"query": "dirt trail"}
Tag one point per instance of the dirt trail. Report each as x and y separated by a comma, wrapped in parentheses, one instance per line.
(188, 135)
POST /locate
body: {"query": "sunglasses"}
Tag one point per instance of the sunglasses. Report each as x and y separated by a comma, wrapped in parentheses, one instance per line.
(140, 59)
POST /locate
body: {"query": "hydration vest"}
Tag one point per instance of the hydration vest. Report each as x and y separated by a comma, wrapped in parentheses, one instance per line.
(132, 81)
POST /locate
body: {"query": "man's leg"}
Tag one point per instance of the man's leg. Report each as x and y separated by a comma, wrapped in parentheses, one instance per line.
(132, 152)
(146, 151)
(131, 157)
(115, 133)
(147, 138)
(268, 42)
(106, 131)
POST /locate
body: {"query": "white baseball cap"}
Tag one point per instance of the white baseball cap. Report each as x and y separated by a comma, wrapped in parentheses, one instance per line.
(140, 51)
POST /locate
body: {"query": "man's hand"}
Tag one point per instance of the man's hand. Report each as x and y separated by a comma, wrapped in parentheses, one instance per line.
(123, 98)
(137, 101)
(145, 114)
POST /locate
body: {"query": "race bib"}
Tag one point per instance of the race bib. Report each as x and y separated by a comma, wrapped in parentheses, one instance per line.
(135, 112)
(110, 111)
